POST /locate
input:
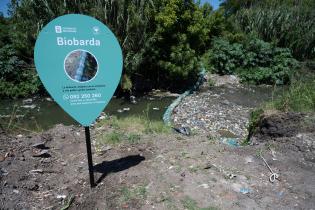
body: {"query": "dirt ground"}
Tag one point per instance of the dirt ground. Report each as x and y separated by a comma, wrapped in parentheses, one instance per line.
(168, 171)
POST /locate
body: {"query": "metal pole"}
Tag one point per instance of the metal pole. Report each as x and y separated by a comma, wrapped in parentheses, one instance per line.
(89, 155)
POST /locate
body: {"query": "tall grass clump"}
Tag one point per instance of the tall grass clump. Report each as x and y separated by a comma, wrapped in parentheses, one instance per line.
(289, 25)
(299, 98)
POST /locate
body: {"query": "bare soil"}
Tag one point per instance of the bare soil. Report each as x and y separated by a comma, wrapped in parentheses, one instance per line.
(168, 171)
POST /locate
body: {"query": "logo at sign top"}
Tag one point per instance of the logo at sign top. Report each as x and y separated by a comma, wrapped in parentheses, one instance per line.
(81, 69)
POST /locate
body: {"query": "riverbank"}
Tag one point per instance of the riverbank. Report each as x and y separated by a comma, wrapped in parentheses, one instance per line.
(165, 171)
(143, 165)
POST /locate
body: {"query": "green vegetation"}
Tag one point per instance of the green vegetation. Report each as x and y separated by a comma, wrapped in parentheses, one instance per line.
(254, 60)
(288, 23)
(191, 204)
(129, 129)
(165, 42)
(134, 193)
(299, 98)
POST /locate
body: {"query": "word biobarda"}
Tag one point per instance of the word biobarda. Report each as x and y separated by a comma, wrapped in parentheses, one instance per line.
(63, 41)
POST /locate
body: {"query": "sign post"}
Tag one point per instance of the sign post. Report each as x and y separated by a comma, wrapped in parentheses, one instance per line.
(89, 156)
(79, 61)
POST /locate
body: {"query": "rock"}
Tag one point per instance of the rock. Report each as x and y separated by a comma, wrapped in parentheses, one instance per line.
(249, 159)
(40, 145)
(36, 171)
(2, 158)
(205, 186)
(16, 191)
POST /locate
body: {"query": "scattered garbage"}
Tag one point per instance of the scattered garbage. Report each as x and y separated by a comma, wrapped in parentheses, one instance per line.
(3, 172)
(40, 153)
(183, 130)
(40, 145)
(16, 191)
(36, 171)
(126, 109)
(156, 108)
(230, 141)
(27, 101)
(245, 190)
(240, 188)
(133, 99)
(273, 176)
(33, 106)
(62, 197)
(102, 117)
(205, 186)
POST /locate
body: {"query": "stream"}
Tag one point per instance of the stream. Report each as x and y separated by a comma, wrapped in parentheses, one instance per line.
(43, 113)
(37, 114)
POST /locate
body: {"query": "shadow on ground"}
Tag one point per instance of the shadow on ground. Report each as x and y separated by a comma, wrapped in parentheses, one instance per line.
(113, 166)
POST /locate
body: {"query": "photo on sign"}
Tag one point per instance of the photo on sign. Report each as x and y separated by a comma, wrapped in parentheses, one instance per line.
(81, 65)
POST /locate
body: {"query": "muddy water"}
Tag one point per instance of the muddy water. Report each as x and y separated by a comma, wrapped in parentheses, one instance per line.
(42, 114)
(247, 96)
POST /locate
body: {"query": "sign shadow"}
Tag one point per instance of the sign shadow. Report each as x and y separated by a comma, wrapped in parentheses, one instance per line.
(114, 166)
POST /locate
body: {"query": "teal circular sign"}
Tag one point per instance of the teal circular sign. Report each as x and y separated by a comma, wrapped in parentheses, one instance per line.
(79, 61)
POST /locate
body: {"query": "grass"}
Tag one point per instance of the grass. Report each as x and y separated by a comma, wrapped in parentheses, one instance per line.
(134, 193)
(191, 204)
(135, 124)
(299, 98)
(128, 130)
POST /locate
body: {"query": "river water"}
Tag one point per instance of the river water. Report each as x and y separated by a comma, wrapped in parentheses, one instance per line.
(42, 113)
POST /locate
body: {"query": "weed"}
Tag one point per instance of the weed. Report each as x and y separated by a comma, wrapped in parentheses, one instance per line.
(211, 83)
(135, 124)
(111, 138)
(193, 169)
(191, 204)
(68, 204)
(133, 138)
(299, 98)
(136, 192)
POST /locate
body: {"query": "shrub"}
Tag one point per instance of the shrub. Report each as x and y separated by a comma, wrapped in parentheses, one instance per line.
(255, 61)
(16, 78)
